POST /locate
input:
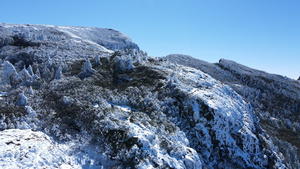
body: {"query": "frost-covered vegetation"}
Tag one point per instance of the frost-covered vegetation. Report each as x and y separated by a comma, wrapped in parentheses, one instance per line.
(93, 99)
(275, 99)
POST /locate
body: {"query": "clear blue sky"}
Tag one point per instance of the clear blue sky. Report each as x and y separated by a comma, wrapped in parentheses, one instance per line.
(262, 34)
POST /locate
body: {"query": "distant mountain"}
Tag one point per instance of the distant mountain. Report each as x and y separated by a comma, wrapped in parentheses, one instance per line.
(276, 99)
(78, 97)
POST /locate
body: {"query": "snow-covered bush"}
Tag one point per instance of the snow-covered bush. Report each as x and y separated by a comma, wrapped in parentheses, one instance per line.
(86, 70)
(30, 91)
(47, 74)
(30, 71)
(22, 100)
(37, 72)
(58, 74)
(49, 63)
(123, 63)
(6, 41)
(97, 60)
(24, 77)
(63, 65)
(9, 72)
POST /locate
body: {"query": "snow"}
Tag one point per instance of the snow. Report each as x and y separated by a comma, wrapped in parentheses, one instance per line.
(231, 114)
(30, 149)
(264, 91)
(70, 41)
(23, 75)
(35, 149)
(96, 105)
(78, 39)
(182, 157)
(22, 100)
(67, 100)
(2, 95)
(8, 72)
(86, 70)
(150, 141)
(99, 36)
(122, 107)
(58, 74)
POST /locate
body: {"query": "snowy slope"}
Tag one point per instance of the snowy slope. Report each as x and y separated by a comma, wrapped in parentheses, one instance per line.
(276, 100)
(29, 149)
(94, 108)
(66, 42)
(108, 38)
(232, 120)
(192, 62)
(35, 149)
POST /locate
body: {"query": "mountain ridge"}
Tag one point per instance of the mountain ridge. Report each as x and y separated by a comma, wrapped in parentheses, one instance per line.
(273, 97)
(199, 61)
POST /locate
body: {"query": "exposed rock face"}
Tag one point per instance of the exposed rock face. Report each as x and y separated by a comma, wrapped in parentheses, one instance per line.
(133, 111)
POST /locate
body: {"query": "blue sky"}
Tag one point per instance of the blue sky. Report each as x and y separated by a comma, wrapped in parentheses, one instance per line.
(262, 34)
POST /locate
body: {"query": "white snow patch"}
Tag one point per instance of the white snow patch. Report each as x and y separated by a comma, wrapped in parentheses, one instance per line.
(184, 157)
(30, 149)
(122, 107)
(35, 149)
(2, 95)
(96, 105)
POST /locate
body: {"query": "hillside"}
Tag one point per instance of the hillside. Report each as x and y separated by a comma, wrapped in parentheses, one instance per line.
(276, 100)
(90, 98)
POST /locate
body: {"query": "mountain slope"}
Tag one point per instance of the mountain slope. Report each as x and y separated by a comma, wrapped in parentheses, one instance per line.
(120, 109)
(276, 99)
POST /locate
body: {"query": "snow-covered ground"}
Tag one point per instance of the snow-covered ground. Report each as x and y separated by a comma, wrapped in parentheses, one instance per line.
(31, 149)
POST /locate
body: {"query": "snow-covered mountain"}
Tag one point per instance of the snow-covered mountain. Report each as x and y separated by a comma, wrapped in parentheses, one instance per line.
(59, 41)
(77, 97)
(276, 100)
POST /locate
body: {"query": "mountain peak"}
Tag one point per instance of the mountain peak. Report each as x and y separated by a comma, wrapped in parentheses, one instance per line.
(108, 38)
